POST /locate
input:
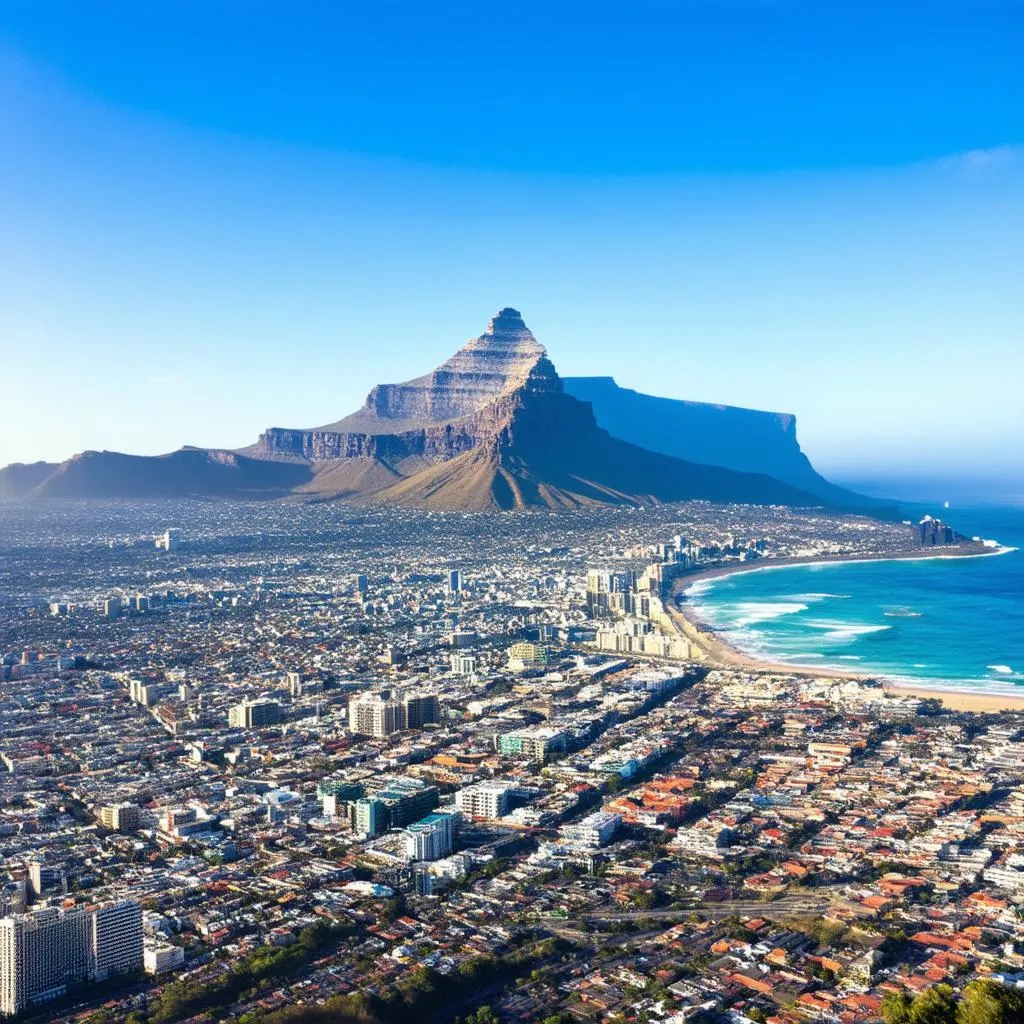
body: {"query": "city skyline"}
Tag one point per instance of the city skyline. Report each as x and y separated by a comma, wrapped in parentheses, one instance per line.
(205, 242)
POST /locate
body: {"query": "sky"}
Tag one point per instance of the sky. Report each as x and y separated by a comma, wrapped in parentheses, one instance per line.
(217, 217)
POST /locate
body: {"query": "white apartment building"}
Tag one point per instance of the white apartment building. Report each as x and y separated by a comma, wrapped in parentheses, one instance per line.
(485, 800)
(43, 951)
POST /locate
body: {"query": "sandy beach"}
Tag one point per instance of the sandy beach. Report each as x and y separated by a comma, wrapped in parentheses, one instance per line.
(722, 654)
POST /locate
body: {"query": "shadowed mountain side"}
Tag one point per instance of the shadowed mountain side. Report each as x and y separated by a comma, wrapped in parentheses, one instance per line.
(19, 478)
(747, 440)
(186, 472)
(346, 478)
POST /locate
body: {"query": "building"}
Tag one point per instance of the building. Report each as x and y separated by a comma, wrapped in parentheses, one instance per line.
(116, 938)
(149, 694)
(594, 830)
(112, 607)
(374, 714)
(526, 655)
(531, 742)
(255, 714)
(370, 816)
(420, 709)
(42, 877)
(454, 581)
(405, 800)
(431, 838)
(42, 952)
(381, 714)
(934, 532)
(123, 817)
(169, 540)
(359, 583)
(463, 664)
(488, 800)
(460, 638)
(600, 585)
(160, 957)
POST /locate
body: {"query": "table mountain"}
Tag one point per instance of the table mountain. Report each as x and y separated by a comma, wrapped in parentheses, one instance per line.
(747, 440)
(493, 427)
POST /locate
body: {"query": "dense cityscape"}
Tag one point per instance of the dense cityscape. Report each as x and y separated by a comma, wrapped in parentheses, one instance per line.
(272, 762)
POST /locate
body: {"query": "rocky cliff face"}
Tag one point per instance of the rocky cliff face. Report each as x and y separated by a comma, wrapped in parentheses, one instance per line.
(505, 357)
(468, 402)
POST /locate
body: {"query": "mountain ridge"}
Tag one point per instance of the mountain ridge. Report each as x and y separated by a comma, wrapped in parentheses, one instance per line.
(494, 426)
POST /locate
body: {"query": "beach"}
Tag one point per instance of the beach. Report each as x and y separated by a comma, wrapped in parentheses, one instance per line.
(721, 653)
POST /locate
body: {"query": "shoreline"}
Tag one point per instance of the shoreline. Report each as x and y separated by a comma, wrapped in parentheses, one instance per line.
(722, 654)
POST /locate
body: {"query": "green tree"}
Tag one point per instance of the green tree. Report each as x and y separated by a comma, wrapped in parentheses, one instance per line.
(896, 1008)
(935, 1005)
(986, 1002)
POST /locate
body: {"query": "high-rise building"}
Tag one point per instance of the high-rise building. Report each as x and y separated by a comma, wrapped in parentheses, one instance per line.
(600, 585)
(454, 581)
(374, 714)
(116, 938)
(525, 655)
(934, 532)
(486, 800)
(255, 714)
(382, 714)
(431, 838)
(420, 709)
(359, 583)
(463, 664)
(123, 817)
(169, 540)
(112, 607)
(42, 877)
(42, 952)
(370, 816)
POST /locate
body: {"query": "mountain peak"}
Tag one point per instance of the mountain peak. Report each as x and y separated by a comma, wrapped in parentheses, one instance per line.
(504, 358)
(507, 321)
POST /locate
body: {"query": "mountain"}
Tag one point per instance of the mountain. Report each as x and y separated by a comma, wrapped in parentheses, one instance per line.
(747, 440)
(188, 472)
(493, 427)
(19, 478)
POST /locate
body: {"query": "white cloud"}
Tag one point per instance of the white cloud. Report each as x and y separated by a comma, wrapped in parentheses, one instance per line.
(982, 159)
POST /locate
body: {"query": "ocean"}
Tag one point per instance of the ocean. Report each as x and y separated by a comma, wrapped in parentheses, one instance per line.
(955, 623)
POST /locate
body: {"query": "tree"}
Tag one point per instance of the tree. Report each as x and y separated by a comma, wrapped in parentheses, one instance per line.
(935, 1005)
(896, 1008)
(986, 1002)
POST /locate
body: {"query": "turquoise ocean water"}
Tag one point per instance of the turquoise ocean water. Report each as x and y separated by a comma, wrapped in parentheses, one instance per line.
(953, 623)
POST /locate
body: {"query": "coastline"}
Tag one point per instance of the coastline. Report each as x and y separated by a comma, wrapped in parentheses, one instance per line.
(721, 653)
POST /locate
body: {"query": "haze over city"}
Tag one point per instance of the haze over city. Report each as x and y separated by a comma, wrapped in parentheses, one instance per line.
(217, 223)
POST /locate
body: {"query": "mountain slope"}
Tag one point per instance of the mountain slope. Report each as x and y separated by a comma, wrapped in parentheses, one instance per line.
(184, 473)
(20, 478)
(747, 440)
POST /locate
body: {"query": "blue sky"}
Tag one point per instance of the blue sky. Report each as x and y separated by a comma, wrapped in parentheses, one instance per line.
(223, 216)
